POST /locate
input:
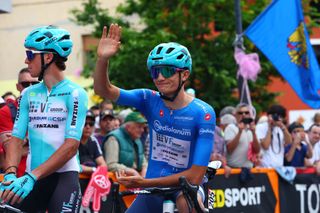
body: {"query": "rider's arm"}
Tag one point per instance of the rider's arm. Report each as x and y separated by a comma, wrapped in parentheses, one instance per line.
(108, 46)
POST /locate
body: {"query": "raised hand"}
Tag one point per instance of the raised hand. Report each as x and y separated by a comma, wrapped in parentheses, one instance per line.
(110, 41)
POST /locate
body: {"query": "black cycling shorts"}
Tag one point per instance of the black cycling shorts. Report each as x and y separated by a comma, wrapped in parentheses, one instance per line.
(59, 192)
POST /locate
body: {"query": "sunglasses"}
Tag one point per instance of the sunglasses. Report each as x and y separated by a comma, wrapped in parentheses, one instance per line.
(91, 124)
(243, 113)
(26, 84)
(166, 71)
(31, 54)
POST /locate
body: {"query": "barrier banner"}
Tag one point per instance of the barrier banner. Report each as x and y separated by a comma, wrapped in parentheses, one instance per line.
(303, 196)
(231, 195)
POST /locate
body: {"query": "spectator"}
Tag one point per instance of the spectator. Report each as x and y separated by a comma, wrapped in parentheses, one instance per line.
(316, 118)
(106, 104)
(123, 148)
(96, 111)
(227, 110)
(297, 151)
(240, 136)
(9, 95)
(313, 137)
(273, 136)
(106, 123)
(9, 110)
(90, 153)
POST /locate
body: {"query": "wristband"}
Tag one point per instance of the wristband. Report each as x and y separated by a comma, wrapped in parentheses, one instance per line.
(93, 169)
(10, 168)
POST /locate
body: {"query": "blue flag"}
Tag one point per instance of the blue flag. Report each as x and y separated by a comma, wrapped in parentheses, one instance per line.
(280, 33)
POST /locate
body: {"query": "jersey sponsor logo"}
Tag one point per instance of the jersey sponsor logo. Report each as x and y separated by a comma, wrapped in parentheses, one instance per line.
(186, 118)
(207, 117)
(206, 131)
(158, 127)
(37, 118)
(56, 109)
(53, 126)
(18, 109)
(203, 107)
(161, 113)
(75, 112)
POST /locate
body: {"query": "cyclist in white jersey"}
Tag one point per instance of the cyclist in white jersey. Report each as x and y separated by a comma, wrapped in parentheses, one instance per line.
(181, 126)
(52, 113)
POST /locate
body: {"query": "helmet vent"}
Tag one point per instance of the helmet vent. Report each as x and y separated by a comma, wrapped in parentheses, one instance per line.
(180, 56)
(170, 50)
(48, 34)
(159, 50)
(40, 39)
(157, 58)
(65, 37)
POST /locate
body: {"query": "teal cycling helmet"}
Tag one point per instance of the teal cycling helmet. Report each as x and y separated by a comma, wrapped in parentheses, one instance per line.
(50, 38)
(172, 54)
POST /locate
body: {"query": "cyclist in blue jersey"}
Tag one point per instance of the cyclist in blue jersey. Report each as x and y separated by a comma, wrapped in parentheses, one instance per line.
(52, 113)
(181, 126)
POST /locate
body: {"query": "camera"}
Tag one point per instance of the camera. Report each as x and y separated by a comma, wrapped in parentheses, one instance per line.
(275, 117)
(246, 120)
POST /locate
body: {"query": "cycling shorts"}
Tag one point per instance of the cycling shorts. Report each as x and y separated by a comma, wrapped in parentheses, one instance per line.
(59, 192)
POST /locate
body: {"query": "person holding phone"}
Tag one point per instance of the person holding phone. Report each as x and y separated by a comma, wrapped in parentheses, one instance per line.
(273, 137)
(240, 136)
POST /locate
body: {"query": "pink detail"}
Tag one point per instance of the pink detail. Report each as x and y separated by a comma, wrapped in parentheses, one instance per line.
(98, 187)
(249, 64)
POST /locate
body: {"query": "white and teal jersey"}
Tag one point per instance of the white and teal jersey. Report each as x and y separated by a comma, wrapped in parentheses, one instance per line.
(50, 118)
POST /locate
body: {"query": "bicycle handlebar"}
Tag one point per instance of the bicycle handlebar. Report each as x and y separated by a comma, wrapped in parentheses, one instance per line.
(11, 208)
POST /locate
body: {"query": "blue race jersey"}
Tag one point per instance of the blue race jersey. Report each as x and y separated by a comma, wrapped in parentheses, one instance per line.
(178, 138)
(50, 118)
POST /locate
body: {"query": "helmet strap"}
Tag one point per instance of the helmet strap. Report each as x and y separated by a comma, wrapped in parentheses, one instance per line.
(44, 66)
(175, 93)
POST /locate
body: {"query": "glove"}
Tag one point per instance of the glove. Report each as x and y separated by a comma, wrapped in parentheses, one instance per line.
(7, 178)
(22, 186)
(98, 187)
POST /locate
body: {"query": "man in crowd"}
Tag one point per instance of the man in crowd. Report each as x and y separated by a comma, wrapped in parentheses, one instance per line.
(106, 125)
(273, 136)
(313, 137)
(123, 147)
(240, 136)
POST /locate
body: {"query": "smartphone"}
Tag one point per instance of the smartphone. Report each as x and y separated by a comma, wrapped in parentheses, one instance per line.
(246, 120)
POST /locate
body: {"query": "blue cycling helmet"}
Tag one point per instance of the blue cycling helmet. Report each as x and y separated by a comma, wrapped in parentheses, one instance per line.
(171, 53)
(50, 38)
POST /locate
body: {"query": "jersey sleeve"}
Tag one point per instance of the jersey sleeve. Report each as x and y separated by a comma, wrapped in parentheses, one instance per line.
(205, 140)
(135, 98)
(22, 117)
(77, 107)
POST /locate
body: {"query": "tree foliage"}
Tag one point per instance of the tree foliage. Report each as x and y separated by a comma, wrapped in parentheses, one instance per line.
(207, 28)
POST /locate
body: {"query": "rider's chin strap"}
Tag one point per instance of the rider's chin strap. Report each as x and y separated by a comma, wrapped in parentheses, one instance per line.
(176, 92)
(44, 66)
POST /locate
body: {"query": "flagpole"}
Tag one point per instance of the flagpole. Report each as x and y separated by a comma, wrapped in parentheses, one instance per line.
(243, 89)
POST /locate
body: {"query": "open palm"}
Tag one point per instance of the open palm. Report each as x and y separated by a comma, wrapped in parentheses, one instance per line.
(109, 43)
